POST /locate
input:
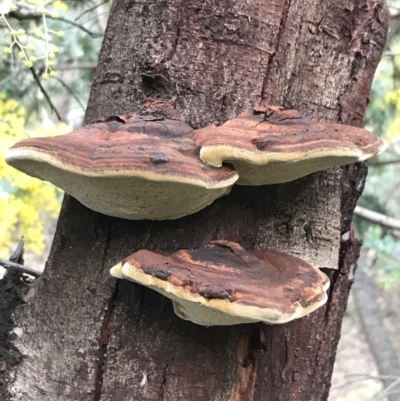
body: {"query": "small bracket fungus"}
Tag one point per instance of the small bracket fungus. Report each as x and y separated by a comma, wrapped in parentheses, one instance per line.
(143, 166)
(271, 145)
(223, 284)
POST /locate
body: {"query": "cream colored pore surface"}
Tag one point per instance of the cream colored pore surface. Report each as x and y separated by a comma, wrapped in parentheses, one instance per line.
(261, 168)
(280, 172)
(128, 197)
(211, 312)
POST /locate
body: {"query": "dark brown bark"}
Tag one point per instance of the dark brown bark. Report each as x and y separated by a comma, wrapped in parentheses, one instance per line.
(89, 337)
(11, 286)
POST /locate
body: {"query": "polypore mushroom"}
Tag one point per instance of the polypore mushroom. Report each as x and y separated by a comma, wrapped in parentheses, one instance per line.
(138, 167)
(223, 284)
(272, 145)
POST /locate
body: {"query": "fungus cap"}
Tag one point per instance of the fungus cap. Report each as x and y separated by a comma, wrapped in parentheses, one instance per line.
(138, 167)
(223, 284)
(271, 145)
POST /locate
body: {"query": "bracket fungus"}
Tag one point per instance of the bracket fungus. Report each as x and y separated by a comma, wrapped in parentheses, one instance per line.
(137, 167)
(223, 284)
(272, 145)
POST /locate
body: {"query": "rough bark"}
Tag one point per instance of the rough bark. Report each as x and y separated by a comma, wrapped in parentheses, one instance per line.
(11, 286)
(87, 336)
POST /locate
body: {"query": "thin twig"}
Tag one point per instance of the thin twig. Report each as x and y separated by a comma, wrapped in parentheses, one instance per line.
(96, 18)
(389, 54)
(7, 264)
(384, 163)
(81, 66)
(391, 386)
(48, 3)
(45, 94)
(18, 255)
(90, 9)
(378, 377)
(379, 218)
(388, 390)
(361, 378)
(27, 12)
(81, 27)
(7, 78)
(393, 392)
(72, 93)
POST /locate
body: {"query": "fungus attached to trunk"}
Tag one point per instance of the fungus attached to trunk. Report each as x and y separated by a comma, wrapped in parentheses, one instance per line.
(138, 167)
(223, 284)
(271, 145)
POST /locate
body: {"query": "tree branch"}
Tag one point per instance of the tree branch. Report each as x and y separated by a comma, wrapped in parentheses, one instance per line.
(394, 28)
(7, 264)
(390, 54)
(90, 9)
(27, 12)
(45, 94)
(72, 93)
(80, 66)
(384, 163)
(357, 377)
(379, 218)
(49, 3)
(16, 261)
(81, 27)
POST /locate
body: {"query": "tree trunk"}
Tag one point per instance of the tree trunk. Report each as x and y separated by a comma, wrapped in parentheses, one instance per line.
(89, 337)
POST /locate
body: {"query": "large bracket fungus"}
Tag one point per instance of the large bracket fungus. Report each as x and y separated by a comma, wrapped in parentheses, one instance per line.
(146, 166)
(223, 284)
(271, 145)
(140, 167)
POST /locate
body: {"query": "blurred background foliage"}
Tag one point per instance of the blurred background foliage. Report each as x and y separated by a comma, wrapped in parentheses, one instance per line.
(26, 203)
(33, 104)
(382, 190)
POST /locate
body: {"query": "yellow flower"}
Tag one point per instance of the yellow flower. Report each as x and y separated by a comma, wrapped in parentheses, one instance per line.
(26, 203)
(60, 5)
(38, 33)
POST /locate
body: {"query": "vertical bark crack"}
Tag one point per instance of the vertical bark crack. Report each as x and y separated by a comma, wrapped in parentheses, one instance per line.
(106, 247)
(282, 28)
(175, 44)
(103, 344)
(285, 366)
(163, 383)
